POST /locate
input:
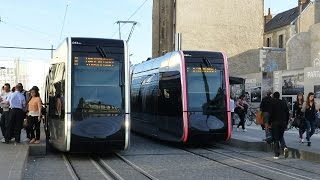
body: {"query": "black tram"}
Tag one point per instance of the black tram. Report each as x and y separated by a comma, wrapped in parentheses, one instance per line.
(182, 96)
(87, 96)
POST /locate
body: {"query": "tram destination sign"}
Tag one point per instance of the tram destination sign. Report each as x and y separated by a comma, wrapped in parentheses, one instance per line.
(202, 69)
(93, 61)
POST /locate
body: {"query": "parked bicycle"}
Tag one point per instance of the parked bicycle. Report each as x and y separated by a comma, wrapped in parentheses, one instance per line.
(251, 115)
(249, 118)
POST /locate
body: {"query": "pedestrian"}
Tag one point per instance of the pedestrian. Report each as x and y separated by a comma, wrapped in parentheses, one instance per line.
(26, 96)
(16, 114)
(232, 109)
(5, 107)
(297, 115)
(241, 108)
(279, 117)
(265, 108)
(310, 108)
(34, 115)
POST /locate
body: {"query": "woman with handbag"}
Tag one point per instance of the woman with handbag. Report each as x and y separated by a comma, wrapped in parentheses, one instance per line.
(34, 115)
(241, 108)
(297, 116)
(310, 108)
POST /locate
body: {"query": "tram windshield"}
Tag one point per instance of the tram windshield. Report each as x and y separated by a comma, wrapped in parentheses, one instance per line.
(97, 85)
(205, 85)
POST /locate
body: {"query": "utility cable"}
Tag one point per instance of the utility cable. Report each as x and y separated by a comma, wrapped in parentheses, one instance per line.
(135, 12)
(64, 20)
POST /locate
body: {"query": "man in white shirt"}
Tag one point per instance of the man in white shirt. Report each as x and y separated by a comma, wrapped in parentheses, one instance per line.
(5, 114)
(232, 109)
(17, 104)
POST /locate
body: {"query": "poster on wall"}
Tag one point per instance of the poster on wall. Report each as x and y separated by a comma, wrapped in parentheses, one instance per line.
(292, 84)
(289, 102)
(267, 83)
(236, 90)
(316, 91)
(255, 94)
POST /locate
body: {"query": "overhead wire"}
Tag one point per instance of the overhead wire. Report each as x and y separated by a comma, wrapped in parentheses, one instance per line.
(64, 19)
(29, 30)
(130, 17)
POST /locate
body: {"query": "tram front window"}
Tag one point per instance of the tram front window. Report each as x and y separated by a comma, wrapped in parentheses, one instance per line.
(205, 85)
(97, 86)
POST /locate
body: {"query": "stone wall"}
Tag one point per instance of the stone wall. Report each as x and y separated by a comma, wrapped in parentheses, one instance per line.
(315, 45)
(306, 19)
(231, 26)
(257, 60)
(286, 31)
(298, 51)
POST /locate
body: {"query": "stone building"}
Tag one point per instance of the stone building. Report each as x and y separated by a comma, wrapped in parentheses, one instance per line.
(286, 24)
(231, 26)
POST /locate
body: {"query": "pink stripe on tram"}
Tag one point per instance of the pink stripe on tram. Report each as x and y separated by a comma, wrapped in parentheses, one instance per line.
(226, 75)
(185, 99)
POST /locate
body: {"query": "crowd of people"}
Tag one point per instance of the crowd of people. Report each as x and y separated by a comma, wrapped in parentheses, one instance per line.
(276, 117)
(20, 109)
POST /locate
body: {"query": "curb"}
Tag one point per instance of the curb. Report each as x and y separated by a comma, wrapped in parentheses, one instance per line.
(262, 146)
(37, 149)
(19, 164)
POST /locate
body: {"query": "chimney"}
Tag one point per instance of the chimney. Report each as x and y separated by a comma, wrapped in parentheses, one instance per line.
(268, 17)
(303, 2)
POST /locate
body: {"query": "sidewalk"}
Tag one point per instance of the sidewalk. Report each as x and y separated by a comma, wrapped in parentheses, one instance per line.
(252, 140)
(13, 158)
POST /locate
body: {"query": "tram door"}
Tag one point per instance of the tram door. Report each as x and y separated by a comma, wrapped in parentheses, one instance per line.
(149, 106)
(55, 104)
(170, 120)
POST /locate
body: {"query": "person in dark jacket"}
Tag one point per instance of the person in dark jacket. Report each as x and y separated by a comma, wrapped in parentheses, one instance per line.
(279, 118)
(310, 108)
(265, 108)
(241, 109)
(297, 113)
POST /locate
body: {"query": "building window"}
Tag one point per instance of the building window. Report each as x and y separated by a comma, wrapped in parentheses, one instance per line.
(268, 42)
(281, 41)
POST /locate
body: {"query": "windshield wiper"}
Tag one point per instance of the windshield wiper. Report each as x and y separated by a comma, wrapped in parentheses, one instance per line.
(101, 51)
(207, 62)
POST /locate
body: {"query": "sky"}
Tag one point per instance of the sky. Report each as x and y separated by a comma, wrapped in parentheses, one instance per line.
(36, 23)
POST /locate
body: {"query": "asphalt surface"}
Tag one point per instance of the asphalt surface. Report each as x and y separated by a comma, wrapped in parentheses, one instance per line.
(152, 159)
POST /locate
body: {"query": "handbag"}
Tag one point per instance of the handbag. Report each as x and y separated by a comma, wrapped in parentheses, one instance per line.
(269, 137)
(259, 118)
(236, 119)
(25, 123)
(297, 122)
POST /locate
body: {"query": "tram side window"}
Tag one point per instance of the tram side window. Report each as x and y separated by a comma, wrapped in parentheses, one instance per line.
(170, 102)
(56, 91)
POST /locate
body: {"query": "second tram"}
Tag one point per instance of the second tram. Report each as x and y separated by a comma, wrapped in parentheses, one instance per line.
(182, 96)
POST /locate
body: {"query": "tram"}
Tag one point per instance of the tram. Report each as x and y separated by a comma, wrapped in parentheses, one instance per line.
(182, 96)
(87, 96)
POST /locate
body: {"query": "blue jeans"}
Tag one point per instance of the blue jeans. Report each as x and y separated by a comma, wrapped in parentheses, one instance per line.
(310, 127)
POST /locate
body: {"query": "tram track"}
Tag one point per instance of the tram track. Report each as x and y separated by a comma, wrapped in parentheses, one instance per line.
(72, 171)
(267, 160)
(225, 164)
(103, 167)
(247, 163)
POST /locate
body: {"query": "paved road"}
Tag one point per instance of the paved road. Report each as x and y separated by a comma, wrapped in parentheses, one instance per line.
(291, 137)
(161, 160)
